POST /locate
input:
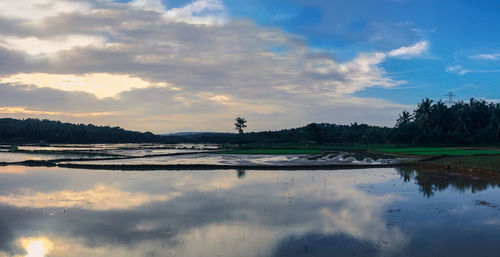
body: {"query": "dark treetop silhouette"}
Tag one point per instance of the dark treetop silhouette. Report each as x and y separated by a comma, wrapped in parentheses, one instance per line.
(240, 124)
(462, 123)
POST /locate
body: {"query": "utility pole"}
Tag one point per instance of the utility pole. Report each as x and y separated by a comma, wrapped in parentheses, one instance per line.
(450, 96)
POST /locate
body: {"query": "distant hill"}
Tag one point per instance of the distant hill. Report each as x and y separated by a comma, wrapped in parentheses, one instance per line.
(36, 130)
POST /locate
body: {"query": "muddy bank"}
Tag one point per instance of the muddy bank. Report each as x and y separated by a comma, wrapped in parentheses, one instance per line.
(438, 163)
(142, 167)
(452, 169)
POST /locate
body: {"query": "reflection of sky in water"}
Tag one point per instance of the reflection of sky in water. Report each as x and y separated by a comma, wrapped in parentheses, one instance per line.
(105, 147)
(143, 152)
(44, 153)
(148, 153)
(370, 212)
(19, 157)
(238, 159)
(224, 159)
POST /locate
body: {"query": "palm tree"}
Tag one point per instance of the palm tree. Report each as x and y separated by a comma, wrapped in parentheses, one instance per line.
(423, 114)
(461, 112)
(441, 118)
(495, 120)
(480, 113)
(404, 119)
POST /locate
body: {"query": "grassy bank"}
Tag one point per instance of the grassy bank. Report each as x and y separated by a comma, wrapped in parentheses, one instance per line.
(476, 162)
(470, 159)
(436, 151)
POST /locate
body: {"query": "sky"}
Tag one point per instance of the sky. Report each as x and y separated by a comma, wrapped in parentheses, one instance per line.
(195, 65)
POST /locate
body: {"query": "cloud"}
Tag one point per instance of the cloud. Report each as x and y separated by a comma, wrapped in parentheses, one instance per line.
(457, 69)
(102, 85)
(415, 50)
(25, 110)
(460, 70)
(35, 46)
(485, 57)
(199, 12)
(160, 70)
(206, 12)
(149, 5)
(32, 10)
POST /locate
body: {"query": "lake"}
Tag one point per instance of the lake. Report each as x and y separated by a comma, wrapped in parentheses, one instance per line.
(365, 212)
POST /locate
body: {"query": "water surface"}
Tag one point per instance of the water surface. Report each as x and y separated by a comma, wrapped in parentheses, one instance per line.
(372, 212)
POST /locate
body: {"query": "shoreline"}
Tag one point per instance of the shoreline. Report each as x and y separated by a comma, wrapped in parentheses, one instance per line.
(141, 167)
(427, 163)
(462, 170)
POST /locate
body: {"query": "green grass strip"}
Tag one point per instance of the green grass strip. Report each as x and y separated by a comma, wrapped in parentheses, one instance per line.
(433, 151)
(489, 162)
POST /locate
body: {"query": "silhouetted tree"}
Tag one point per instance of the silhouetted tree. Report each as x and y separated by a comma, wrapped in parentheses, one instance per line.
(495, 120)
(423, 115)
(404, 119)
(240, 124)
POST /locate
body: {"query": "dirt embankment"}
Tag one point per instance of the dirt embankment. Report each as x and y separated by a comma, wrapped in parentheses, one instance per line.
(469, 165)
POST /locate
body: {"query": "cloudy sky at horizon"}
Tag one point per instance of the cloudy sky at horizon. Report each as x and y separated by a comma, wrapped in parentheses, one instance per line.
(194, 65)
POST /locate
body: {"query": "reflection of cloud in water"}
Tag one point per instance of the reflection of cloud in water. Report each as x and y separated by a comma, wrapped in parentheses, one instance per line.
(99, 198)
(244, 159)
(493, 222)
(348, 210)
(226, 240)
(35, 247)
(247, 230)
(204, 182)
(12, 170)
(210, 213)
(212, 181)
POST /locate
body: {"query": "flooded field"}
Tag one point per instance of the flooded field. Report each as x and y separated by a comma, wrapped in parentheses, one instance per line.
(96, 151)
(178, 154)
(242, 159)
(370, 212)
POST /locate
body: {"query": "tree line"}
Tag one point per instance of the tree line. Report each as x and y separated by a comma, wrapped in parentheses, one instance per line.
(35, 130)
(473, 122)
(314, 133)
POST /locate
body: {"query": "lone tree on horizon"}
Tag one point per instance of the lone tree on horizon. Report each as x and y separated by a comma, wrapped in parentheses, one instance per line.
(239, 125)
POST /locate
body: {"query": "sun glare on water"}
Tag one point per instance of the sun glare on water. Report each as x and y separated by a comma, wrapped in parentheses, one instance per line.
(36, 247)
